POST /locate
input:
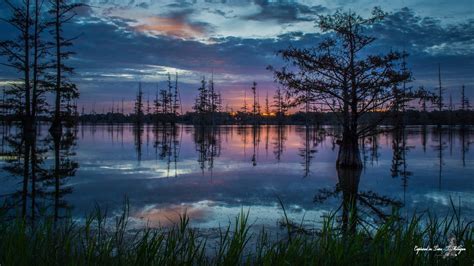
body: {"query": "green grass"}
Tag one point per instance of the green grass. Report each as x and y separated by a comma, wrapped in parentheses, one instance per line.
(93, 243)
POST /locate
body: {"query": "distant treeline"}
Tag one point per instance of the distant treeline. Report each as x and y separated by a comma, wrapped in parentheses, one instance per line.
(410, 117)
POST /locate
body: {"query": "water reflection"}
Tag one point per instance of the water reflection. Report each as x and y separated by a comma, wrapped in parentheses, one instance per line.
(214, 171)
(42, 164)
(167, 145)
(208, 145)
(364, 208)
(279, 142)
(312, 136)
(64, 167)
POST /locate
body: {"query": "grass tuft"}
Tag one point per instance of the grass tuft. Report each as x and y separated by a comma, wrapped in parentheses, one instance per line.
(94, 243)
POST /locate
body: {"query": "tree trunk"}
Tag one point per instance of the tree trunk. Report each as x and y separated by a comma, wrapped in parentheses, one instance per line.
(56, 126)
(349, 155)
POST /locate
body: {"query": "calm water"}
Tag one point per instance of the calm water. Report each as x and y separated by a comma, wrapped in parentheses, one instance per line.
(213, 174)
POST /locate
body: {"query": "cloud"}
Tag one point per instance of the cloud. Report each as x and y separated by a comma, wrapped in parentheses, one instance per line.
(170, 27)
(175, 24)
(286, 12)
(120, 45)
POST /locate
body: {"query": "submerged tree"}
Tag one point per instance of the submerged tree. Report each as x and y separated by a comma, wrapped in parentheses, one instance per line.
(340, 74)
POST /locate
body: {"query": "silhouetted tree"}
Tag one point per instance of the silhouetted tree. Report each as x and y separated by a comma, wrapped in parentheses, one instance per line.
(279, 105)
(139, 105)
(245, 108)
(267, 105)
(338, 69)
(201, 105)
(62, 12)
(24, 100)
(255, 106)
(18, 56)
(176, 97)
(208, 102)
(440, 91)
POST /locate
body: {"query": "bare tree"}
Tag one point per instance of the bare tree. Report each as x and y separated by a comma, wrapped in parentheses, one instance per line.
(24, 54)
(267, 105)
(464, 100)
(65, 91)
(338, 73)
(18, 55)
(139, 105)
(255, 103)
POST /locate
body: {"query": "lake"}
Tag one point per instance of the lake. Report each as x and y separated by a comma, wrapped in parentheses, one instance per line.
(214, 173)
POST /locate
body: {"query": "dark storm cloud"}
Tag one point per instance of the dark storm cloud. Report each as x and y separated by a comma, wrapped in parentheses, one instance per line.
(430, 43)
(286, 12)
(405, 29)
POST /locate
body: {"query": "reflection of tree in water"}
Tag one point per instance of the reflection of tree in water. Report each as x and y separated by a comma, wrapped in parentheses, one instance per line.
(363, 208)
(279, 142)
(465, 143)
(423, 137)
(311, 137)
(439, 147)
(43, 177)
(208, 145)
(399, 166)
(255, 143)
(242, 131)
(24, 157)
(371, 140)
(254, 133)
(63, 167)
(167, 145)
(267, 139)
(137, 137)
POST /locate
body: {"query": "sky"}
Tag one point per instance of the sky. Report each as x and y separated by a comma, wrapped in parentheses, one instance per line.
(124, 42)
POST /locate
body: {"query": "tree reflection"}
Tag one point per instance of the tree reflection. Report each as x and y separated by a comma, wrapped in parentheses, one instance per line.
(43, 163)
(279, 142)
(167, 145)
(465, 143)
(370, 148)
(399, 166)
(311, 137)
(137, 137)
(63, 167)
(439, 147)
(255, 143)
(363, 208)
(208, 145)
